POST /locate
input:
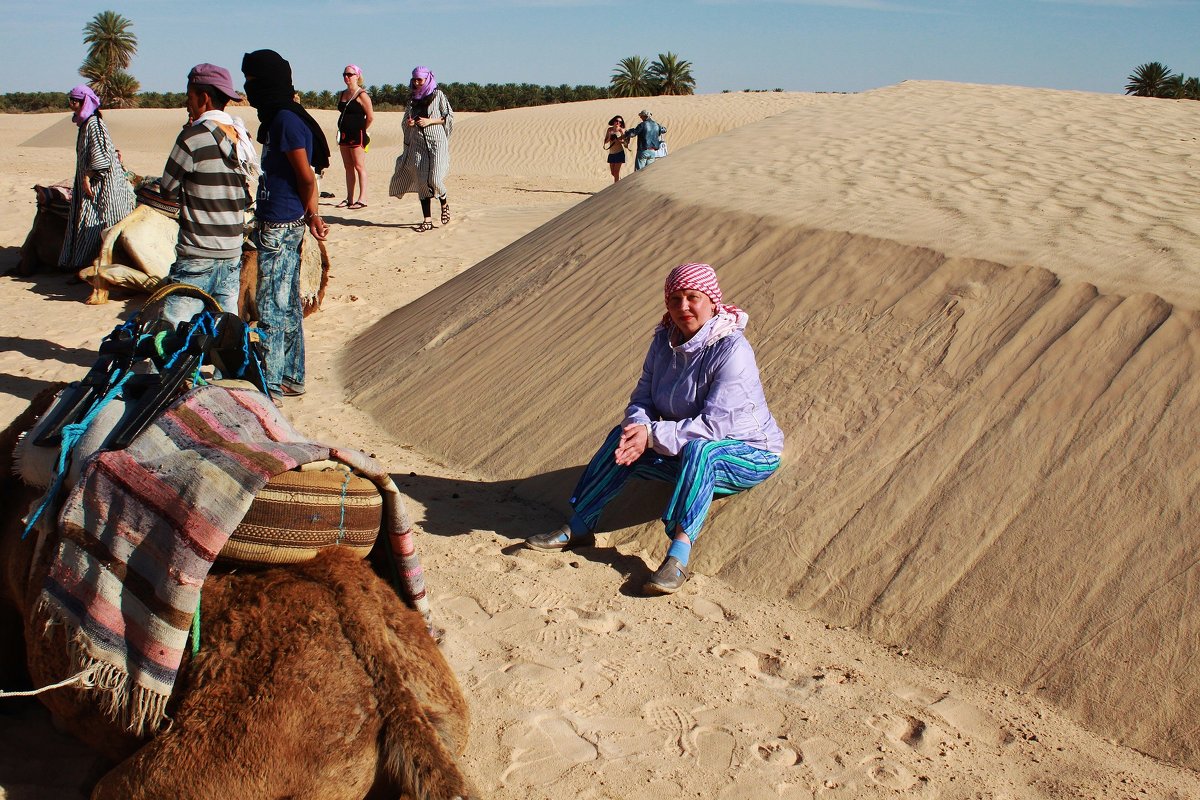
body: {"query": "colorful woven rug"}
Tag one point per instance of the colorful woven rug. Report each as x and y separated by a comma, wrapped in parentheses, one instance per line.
(143, 526)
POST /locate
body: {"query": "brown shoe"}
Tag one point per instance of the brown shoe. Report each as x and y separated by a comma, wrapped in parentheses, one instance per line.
(559, 539)
(668, 578)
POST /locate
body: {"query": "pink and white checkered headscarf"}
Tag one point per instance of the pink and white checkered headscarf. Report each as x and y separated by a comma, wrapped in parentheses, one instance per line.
(703, 278)
(700, 277)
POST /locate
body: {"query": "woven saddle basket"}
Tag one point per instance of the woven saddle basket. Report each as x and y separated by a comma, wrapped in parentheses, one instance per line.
(294, 517)
(302, 512)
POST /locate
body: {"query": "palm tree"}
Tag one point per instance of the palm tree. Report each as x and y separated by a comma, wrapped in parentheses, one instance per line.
(1151, 80)
(122, 90)
(1191, 89)
(110, 37)
(631, 78)
(672, 75)
(111, 48)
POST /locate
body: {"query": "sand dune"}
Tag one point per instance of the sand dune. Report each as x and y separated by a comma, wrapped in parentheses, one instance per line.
(990, 399)
(988, 416)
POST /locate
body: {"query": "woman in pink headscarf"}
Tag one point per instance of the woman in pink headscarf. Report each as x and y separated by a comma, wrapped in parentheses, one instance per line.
(356, 115)
(697, 418)
(425, 162)
(101, 196)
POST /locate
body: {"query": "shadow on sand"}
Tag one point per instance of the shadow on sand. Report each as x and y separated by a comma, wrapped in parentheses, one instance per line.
(511, 508)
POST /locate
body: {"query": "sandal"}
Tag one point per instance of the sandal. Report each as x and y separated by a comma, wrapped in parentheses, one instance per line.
(445, 213)
(343, 204)
(356, 206)
(424, 226)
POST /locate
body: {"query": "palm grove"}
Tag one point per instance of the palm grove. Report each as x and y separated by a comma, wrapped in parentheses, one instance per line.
(1157, 80)
(111, 46)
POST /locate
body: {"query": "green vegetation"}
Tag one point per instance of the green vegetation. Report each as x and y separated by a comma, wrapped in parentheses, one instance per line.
(463, 96)
(482, 97)
(631, 78)
(672, 75)
(111, 48)
(634, 76)
(1155, 79)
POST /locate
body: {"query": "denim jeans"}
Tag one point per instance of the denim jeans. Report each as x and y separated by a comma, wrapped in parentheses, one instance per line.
(644, 159)
(280, 312)
(218, 277)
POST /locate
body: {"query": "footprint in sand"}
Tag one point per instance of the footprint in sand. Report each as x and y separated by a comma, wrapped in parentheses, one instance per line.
(767, 668)
(708, 610)
(544, 747)
(906, 731)
(777, 753)
(600, 622)
(972, 721)
(753, 662)
(466, 608)
(823, 757)
(676, 722)
(889, 774)
(534, 684)
(540, 596)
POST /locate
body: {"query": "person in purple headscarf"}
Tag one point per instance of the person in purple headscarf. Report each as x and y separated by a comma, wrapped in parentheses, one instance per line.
(425, 162)
(101, 196)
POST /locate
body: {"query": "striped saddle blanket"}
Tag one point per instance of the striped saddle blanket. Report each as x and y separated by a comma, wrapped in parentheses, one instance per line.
(143, 525)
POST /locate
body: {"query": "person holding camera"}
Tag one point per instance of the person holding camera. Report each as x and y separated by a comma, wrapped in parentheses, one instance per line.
(615, 144)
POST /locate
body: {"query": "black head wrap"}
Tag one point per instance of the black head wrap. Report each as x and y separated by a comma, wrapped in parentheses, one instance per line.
(271, 91)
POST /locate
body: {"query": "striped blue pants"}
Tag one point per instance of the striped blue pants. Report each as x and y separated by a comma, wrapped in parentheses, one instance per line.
(701, 470)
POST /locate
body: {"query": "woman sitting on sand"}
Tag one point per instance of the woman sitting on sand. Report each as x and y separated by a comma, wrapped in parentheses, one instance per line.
(615, 144)
(425, 162)
(356, 116)
(101, 196)
(697, 418)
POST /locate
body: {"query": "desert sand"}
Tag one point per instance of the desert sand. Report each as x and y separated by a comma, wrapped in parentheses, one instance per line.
(974, 308)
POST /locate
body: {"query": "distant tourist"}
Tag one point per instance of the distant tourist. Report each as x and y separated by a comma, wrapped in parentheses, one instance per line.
(101, 196)
(425, 162)
(294, 150)
(355, 117)
(697, 418)
(207, 172)
(615, 143)
(649, 138)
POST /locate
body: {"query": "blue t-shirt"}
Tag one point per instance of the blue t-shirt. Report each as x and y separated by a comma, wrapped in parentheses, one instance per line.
(278, 196)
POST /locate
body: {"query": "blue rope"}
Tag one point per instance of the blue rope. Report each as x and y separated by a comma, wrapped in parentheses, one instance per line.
(249, 357)
(342, 521)
(71, 434)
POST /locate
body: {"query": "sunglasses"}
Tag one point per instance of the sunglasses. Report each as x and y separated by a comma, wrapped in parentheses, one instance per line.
(348, 74)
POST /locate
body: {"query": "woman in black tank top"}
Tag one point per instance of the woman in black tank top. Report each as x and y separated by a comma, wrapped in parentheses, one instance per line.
(355, 117)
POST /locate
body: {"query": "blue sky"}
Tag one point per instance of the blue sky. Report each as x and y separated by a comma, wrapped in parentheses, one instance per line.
(798, 45)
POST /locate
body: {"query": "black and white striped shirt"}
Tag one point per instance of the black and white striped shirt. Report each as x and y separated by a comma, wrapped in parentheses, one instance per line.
(202, 172)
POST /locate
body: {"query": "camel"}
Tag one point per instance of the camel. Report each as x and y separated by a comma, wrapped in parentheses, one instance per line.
(313, 680)
(44, 241)
(137, 253)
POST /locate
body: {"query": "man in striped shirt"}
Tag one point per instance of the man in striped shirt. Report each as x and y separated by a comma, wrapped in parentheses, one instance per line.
(207, 177)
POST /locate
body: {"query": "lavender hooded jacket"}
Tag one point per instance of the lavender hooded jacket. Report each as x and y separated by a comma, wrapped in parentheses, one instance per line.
(702, 391)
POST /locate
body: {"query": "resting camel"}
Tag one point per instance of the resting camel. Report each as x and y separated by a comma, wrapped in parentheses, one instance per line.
(138, 251)
(313, 681)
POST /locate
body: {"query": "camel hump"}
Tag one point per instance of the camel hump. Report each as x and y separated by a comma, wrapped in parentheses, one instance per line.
(422, 708)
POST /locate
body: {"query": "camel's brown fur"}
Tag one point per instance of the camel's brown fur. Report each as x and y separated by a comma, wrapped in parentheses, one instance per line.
(312, 681)
(248, 308)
